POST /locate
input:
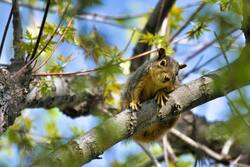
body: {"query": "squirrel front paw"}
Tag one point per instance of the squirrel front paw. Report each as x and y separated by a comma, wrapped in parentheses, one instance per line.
(161, 98)
(135, 105)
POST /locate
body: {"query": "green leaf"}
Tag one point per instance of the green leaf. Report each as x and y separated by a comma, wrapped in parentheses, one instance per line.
(198, 29)
(94, 46)
(55, 67)
(52, 130)
(154, 40)
(175, 17)
(45, 87)
(54, 112)
(83, 84)
(231, 5)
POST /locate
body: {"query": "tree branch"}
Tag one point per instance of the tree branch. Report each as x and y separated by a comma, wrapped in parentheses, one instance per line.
(18, 60)
(150, 155)
(115, 129)
(12, 90)
(104, 19)
(73, 105)
(214, 155)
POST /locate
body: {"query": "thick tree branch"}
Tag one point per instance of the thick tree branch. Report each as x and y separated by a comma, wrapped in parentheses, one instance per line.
(96, 141)
(71, 104)
(82, 150)
(18, 60)
(12, 90)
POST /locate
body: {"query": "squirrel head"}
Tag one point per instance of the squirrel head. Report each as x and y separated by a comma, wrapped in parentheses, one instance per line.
(164, 70)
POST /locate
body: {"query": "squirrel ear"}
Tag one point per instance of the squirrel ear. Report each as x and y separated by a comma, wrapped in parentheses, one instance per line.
(161, 53)
(181, 66)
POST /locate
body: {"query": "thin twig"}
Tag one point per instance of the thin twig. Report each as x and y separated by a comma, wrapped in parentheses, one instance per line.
(103, 19)
(40, 31)
(85, 14)
(228, 66)
(152, 157)
(85, 72)
(235, 162)
(22, 70)
(180, 39)
(109, 17)
(169, 150)
(108, 22)
(129, 41)
(244, 100)
(6, 30)
(199, 67)
(187, 22)
(54, 33)
(234, 109)
(198, 62)
(225, 149)
(205, 47)
(199, 146)
(196, 68)
(57, 44)
(165, 151)
(227, 61)
(222, 49)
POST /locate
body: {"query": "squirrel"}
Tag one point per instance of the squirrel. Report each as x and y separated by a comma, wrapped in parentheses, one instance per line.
(154, 79)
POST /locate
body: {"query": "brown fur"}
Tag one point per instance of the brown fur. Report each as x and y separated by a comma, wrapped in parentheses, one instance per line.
(154, 132)
(144, 84)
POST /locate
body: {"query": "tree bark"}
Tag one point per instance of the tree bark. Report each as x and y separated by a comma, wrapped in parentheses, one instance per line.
(83, 149)
(13, 91)
(95, 142)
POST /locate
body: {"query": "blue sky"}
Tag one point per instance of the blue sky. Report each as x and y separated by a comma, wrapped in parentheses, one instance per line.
(214, 110)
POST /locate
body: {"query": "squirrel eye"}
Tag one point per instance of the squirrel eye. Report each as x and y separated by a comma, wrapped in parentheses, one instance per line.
(163, 63)
(177, 73)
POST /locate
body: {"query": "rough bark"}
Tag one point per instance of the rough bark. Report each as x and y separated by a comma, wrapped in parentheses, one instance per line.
(80, 104)
(115, 129)
(13, 91)
(18, 60)
(70, 103)
(83, 149)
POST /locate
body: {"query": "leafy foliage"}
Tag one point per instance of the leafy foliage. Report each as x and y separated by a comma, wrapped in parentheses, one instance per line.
(218, 16)
(45, 87)
(175, 18)
(83, 84)
(198, 29)
(30, 39)
(156, 41)
(58, 66)
(94, 45)
(231, 5)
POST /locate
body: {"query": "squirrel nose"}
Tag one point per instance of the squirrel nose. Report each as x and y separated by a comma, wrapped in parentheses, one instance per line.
(166, 79)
